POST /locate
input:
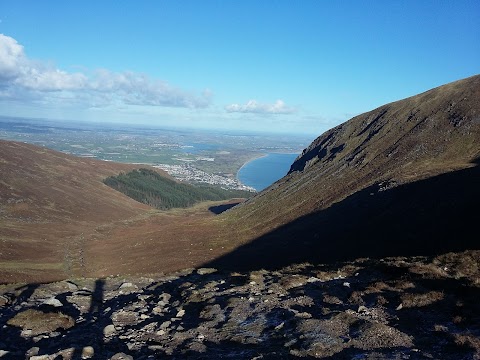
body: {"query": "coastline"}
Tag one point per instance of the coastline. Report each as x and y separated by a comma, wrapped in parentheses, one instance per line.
(259, 157)
(241, 167)
(249, 161)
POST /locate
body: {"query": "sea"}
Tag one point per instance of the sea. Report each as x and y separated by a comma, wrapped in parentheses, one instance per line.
(262, 172)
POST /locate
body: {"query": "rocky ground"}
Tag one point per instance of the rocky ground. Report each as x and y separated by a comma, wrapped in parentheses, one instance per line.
(395, 308)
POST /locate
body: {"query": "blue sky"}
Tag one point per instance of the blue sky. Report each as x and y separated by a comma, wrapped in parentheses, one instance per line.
(285, 66)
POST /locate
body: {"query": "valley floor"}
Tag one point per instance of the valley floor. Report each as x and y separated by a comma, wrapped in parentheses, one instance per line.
(395, 308)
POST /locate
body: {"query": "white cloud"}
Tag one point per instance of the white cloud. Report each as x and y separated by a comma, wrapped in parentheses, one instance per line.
(11, 58)
(24, 79)
(252, 106)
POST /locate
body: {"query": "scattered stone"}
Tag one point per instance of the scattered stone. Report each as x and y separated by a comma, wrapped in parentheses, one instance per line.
(165, 324)
(40, 357)
(166, 298)
(53, 302)
(109, 330)
(4, 300)
(155, 347)
(88, 352)
(71, 286)
(290, 343)
(122, 318)
(253, 316)
(346, 284)
(303, 315)
(127, 287)
(121, 356)
(26, 333)
(206, 271)
(32, 351)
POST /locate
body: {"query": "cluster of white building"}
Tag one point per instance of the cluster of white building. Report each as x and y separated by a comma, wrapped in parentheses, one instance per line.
(189, 173)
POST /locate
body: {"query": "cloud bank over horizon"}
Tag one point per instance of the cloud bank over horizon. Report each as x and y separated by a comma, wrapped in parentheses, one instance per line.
(25, 79)
(254, 107)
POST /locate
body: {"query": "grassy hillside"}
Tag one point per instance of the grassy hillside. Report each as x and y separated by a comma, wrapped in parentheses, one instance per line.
(58, 219)
(148, 187)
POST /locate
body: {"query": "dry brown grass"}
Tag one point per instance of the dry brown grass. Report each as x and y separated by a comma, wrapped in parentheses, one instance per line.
(60, 221)
(411, 300)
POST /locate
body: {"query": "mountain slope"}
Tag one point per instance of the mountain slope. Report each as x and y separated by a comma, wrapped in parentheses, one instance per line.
(41, 184)
(58, 220)
(399, 151)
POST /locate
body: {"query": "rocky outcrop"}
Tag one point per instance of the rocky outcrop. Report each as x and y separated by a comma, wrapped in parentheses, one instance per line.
(396, 308)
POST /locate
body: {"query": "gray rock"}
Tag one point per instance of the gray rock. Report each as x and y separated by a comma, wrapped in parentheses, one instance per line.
(165, 299)
(53, 302)
(157, 310)
(128, 286)
(109, 330)
(32, 351)
(206, 271)
(303, 315)
(71, 286)
(121, 356)
(88, 352)
(180, 313)
(362, 308)
(165, 324)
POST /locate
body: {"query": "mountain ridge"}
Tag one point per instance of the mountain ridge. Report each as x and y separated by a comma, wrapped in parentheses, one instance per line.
(375, 162)
(396, 143)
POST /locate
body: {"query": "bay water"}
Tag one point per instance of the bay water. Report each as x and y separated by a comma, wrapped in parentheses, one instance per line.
(264, 171)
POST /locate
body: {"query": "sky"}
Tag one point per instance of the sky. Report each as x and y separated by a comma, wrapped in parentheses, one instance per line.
(277, 66)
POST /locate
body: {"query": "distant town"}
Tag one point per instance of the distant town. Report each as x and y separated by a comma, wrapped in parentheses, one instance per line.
(194, 156)
(189, 173)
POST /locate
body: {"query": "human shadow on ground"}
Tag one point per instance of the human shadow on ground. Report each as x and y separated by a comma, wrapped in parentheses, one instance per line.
(85, 327)
(427, 217)
(227, 315)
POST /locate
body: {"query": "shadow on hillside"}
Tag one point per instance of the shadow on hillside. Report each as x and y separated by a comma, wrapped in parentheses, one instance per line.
(427, 217)
(217, 210)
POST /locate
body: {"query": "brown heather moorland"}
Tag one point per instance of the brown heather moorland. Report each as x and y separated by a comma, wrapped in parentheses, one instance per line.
(58, 220)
